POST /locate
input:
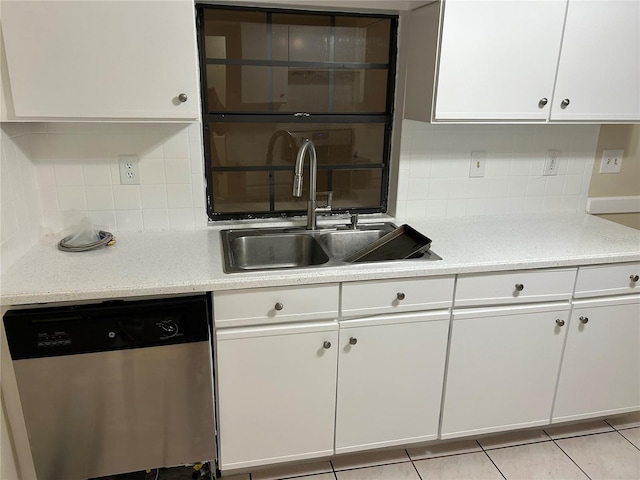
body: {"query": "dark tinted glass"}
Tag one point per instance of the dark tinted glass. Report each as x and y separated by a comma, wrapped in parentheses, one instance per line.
(240, 191)
(362, 39)
(360, 91)
(234, 34)
(241, 88)
(263, 144)
(237, 88)
(301, 38)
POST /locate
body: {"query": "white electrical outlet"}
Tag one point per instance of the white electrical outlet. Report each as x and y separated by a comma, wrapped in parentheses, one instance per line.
(551, 162)
(129, 172)
(477, 164)
(611, 161)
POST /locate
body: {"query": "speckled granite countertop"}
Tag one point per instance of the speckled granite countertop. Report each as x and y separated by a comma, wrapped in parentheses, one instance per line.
(163, 263)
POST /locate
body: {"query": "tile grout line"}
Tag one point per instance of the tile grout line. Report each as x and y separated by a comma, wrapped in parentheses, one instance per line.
(633, 444)
(413, 464)
(333, 470)
(617, 429)
(491, 459)
(569, 456)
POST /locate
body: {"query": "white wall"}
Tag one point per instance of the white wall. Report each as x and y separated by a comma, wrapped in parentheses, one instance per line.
(54, 174)
(20, 210)
(433, 178)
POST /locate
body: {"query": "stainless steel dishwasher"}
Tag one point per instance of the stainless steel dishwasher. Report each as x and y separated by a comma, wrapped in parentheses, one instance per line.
(115, 387)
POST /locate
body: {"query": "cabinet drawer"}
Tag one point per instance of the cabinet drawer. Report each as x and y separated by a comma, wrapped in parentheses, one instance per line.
(398, 295)
(608, 280)
(515, 287)
(275, 305)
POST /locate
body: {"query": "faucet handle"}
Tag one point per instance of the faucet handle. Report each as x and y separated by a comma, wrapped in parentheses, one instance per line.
(354, 221)
(327, 207)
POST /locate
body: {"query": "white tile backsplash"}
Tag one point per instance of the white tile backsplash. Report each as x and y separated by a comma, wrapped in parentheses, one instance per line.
(20, 204)
(54, 173)
(433, 177)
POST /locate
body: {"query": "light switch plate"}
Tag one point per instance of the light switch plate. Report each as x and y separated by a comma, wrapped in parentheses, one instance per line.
(551, 162)
(478, 161)
(611, 161)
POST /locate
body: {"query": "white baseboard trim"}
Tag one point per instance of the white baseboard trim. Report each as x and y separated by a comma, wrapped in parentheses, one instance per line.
(597, 205)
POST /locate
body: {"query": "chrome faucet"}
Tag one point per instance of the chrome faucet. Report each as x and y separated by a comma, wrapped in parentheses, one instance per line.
(312, 208)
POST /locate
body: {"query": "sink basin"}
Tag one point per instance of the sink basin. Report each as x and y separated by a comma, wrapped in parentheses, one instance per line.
(278, 250)
(342, 243)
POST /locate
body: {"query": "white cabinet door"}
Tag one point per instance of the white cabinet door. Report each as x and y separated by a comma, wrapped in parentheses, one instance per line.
(502, 370)
(498, 59)
(390, 377)
(101, 59)
(600, 372)
(599, 69)
(276, 391)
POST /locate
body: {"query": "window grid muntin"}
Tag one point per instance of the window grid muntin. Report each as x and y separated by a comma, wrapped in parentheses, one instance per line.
(270, 117)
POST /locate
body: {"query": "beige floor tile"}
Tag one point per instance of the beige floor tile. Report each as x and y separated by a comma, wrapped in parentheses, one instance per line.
(396, 471)
(544, 461)
(321, 476)
(577, 429)
(469, 466)
(632, 434)
(443, 449)
(245, 476)
(604, 456)
(369, 459)
(511, 439)
(629, 420)
(295, 470)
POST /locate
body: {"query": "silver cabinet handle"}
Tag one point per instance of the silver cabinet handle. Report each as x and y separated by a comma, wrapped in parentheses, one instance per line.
(400, 295)
(278, 306)
(519, 287)
(543, 102)
(634, 278)
(301, 114)
(326, 345)
(560, 323)
(584, 319)
(182, 97)
(353, 340)
(565, 103)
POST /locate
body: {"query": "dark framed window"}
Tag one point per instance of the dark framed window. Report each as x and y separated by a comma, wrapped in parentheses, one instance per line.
(272, 78)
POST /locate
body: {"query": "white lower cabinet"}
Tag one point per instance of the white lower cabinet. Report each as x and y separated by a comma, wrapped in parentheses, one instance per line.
(276, 391)
(390, 378)
(299, 380)
(600, 372)
(502, 368)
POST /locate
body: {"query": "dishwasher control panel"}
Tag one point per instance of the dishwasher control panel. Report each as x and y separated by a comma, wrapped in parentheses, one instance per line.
(54, 339)
(68, 330)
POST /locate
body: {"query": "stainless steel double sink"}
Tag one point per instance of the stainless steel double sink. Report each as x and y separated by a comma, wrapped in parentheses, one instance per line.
(280, 248)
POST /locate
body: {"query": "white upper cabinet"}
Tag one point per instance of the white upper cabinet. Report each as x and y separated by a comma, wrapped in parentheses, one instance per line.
(599, 70)
(101, 59)
(498, 59)
(516, 61)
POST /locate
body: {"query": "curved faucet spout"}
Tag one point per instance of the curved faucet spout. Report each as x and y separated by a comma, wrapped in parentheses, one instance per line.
(297, 180)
